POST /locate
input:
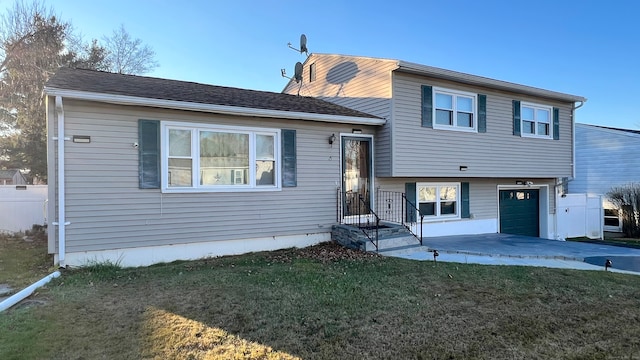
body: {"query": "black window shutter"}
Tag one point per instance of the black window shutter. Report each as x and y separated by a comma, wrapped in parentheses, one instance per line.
(516, 117)
(464, 197)
(427, 106)
(289, 161)
(411, 205)
(556, 123)
(149, 154)
(482, 113)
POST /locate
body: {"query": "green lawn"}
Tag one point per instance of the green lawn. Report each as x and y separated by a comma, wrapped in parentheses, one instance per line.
(327, 303)
(23, 259)
(611, 239)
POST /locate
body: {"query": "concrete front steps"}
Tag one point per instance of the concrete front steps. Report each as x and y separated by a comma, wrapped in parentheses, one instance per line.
(393, 239)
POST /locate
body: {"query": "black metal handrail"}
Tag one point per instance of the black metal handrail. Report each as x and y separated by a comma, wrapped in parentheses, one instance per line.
(354, 209)
(394, 207)
(412, 207)
(367, 226)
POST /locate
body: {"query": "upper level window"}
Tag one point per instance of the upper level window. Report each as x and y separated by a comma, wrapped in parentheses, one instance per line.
(219, 158)
(454, 110)
(536, 120)
(438, 201)
(312, 72)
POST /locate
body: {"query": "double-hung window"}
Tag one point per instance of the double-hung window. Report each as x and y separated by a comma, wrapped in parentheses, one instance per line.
(439, 201)
(536, 120)
(201, 157)
(454, 110)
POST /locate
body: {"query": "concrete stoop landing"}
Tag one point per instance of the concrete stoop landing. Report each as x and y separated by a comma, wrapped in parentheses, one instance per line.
(393, 239)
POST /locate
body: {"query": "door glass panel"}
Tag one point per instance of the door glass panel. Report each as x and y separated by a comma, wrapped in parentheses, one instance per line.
(356, 165)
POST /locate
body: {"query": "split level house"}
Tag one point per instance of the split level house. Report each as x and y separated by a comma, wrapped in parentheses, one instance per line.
(605, 157)
(145, 170)
(473, 154)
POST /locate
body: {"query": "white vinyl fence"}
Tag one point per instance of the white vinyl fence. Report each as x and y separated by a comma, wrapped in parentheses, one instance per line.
(580, 215)
(22, 206)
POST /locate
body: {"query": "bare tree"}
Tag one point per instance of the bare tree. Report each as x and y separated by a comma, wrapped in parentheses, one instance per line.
(32, 47)
(126, 55)
(627, 199)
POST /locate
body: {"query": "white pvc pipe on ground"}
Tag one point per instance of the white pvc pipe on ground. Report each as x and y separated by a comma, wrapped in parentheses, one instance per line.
(21, 295)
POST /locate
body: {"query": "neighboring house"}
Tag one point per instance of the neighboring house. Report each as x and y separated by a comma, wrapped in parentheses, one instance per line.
(154, 170)
(12, 177)
(605, 157)
(476, 155)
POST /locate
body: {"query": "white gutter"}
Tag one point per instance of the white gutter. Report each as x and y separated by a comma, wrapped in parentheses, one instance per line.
(62, 222)
(24, 293)
(212, 108)
(483, 81)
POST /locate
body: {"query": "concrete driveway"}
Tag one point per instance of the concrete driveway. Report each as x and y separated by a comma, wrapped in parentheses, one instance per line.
(506, 249)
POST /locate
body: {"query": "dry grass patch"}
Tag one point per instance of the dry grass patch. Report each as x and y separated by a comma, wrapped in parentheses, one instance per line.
(328, 303)
(170, 336)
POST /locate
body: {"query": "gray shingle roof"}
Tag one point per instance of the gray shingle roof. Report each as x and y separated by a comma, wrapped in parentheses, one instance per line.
(7, 174)
(164, 89)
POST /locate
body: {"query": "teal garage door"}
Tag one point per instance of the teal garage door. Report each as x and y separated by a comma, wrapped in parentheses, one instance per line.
(520, 212)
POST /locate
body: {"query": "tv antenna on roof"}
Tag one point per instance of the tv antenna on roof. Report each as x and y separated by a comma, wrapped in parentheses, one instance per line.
(303, 45)
(297, 76)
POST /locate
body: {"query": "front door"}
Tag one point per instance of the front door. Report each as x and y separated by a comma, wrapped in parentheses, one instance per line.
(356, 175)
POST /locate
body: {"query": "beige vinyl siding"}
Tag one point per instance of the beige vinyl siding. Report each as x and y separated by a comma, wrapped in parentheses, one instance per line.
(360, 83)
(420, 151)
(483, 193)
(107, 210)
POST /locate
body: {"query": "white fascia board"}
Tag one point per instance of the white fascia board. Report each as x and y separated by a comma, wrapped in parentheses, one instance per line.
(483, 81)
(211, 108)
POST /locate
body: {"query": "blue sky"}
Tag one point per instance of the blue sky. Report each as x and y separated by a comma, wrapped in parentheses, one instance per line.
(586, 48)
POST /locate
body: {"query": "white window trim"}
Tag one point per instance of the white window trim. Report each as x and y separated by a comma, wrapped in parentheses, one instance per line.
(195, 155)
(455, 93)
(458, 214)
(536, 106)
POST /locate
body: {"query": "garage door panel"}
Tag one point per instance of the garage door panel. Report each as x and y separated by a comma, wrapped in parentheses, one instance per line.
(519, 212)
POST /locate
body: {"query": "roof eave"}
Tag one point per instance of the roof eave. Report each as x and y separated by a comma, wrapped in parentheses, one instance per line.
(418, 69)
(210, 108)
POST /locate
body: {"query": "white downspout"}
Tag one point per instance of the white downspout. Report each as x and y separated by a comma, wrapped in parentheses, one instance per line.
(62, 222)
(573, 138)
(573, 167)
(24, 293)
